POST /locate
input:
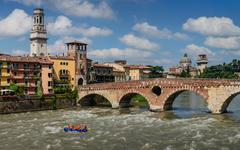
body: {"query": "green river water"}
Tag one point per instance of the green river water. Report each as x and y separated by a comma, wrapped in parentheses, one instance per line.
(188, 127)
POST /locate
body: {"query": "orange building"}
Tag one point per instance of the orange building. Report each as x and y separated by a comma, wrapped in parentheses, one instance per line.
(27, 72)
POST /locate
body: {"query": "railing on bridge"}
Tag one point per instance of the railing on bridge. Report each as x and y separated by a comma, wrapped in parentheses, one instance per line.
(202, 82)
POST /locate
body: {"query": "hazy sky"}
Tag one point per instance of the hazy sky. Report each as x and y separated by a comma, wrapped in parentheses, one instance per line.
(141, 31)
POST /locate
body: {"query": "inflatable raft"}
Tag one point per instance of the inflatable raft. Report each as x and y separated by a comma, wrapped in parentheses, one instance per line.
(66, 129)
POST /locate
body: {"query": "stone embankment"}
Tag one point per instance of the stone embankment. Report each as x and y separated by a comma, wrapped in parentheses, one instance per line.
(14, 104)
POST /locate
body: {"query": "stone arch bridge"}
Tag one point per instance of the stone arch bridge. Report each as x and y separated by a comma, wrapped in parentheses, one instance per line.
(161, 93)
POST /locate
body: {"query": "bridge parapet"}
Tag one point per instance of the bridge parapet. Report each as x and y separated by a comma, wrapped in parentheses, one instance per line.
(162, 82)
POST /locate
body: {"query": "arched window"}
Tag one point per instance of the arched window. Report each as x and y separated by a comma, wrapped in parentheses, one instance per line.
(40, 20)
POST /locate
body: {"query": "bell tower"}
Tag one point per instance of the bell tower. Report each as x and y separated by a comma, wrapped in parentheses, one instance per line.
(38, 37)
(78, 50)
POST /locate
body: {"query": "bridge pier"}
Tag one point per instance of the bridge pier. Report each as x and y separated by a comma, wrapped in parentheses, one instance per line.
(155, 108)
(115, 105)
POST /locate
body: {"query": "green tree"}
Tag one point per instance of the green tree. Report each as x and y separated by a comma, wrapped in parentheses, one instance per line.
(18, 90)
(156, 71)
(74, 93)
(13, 87)
(185, 74)
(39, 89)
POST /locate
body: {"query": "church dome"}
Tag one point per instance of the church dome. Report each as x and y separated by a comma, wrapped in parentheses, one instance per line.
(185, 59)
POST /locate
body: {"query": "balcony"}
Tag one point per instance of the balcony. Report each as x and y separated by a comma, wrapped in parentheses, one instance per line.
(17, 69)
(17, 77)
(5, 66)
(5, 75)
(29, 85)
(64, 75)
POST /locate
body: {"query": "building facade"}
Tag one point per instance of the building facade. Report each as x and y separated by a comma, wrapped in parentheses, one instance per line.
(119, 72)
(138, 72)
(30, 73)
(64, 70)
(38, 36)
(103, 73)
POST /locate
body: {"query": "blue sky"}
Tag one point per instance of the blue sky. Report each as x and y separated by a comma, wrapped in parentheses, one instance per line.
(155, 32)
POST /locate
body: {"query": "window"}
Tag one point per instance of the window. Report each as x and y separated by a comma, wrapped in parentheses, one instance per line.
(49, 75)
(49, 83)
(49, 67)
(72, 78)
(61, 63)
(26, 82)
(67, 63)
(8, 80)
(36, 83)
(26, 91)
(15, 66)
(81, 57)
(40, 20)
(26, 66)
(8, 70)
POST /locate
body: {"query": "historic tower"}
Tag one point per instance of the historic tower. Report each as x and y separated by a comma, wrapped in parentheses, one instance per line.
(202, 62)
(38, 37)
(78, 51)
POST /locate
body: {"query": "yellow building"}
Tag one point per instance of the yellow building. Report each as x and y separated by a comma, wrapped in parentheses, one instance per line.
(64, 68)
(138, 72)
(4, 73)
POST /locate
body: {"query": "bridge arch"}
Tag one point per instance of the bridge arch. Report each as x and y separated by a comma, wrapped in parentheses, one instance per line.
(227, 102)
(94, 99)
(126, 98)
(168, 102)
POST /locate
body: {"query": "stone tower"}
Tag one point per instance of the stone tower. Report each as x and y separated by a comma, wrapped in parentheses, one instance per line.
(78, 51)
(38, 37)
(202, 62)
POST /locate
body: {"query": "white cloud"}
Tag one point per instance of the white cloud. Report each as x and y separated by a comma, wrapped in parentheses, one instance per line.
(19, 52)
(116, 53)
(194, 50)
(153, 31)
(222, 42)
(63, 26)
(212, 26)
(139, 43)
(80, 8)
(58, 47)
(15, 24)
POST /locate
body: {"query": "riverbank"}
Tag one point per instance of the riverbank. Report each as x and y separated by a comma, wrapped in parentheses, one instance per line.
(15, 104)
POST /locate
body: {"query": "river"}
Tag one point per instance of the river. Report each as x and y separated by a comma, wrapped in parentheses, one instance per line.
(188, 127)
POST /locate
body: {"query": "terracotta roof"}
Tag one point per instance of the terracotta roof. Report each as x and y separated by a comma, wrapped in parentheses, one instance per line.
(137, 67)
(76, 42)
(62, 57)
(102, 65)
(25, 59)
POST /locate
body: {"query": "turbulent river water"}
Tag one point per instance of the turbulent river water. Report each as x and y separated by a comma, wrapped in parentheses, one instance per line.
(189, 126)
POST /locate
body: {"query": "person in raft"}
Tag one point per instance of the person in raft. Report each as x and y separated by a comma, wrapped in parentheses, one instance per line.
(78, 127)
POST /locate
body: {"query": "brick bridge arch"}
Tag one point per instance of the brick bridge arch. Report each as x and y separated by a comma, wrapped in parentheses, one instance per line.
(173, 94)
(126, 96)
(90, 95)
(218, 93)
